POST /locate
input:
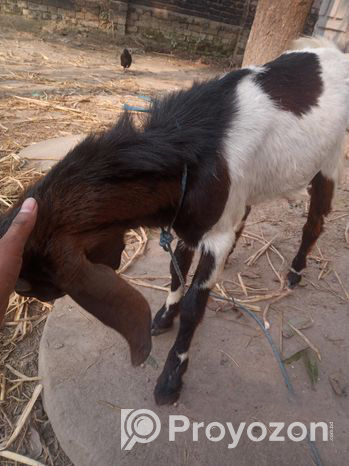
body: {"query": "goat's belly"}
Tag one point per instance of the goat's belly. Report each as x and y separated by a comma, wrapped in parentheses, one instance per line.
(271, 187)
(276, 171)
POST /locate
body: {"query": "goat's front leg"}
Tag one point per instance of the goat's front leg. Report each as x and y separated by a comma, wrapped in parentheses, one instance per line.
(213, 255)
(163, 319)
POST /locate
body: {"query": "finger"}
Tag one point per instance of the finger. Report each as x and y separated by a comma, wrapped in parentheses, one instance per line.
(21, 227)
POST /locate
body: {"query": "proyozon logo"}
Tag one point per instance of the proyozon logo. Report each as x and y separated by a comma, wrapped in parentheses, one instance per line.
(138, 425)
(143, 426)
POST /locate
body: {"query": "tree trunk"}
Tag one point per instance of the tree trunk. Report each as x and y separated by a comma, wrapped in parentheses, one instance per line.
(276, 24)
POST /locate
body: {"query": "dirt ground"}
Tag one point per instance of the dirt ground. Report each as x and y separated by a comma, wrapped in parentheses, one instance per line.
(78, 86)
(53, 85)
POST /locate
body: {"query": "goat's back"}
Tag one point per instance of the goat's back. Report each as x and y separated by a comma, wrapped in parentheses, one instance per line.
(290, 124)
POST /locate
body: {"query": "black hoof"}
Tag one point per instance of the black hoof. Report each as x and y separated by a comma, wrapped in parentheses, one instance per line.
(156, 330)
(293, 279)
(169, 385)
(166, 396)
(162, 321)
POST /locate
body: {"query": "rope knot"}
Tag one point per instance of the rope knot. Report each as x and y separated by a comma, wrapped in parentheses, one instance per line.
(166, 239)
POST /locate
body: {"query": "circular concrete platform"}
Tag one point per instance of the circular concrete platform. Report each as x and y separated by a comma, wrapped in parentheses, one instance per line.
(88, 379)
(44, 154)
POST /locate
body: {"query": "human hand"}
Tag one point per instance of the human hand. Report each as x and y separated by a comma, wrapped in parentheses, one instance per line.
(11, 250)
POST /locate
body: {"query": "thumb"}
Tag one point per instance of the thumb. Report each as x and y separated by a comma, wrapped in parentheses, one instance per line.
(21, 227)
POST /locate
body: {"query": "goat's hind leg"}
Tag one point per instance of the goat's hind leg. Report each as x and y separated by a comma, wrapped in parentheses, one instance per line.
(240, 229)
(321, 195)
(163, 319)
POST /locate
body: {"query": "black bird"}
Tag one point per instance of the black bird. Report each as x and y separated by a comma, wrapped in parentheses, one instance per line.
(126, 59)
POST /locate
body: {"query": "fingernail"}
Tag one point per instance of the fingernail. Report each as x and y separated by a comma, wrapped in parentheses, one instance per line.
(28, 205)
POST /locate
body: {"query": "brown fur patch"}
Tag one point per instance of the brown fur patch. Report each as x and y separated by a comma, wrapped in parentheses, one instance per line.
(321, 195)
(293, 81)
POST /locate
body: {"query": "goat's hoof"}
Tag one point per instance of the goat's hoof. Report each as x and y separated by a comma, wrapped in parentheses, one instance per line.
(169, 384)
(293, 278)
(161, 323)
(157, 330)
(167, 392)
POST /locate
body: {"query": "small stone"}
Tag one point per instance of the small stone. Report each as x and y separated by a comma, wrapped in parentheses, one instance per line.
(338, 384)
(58, 346)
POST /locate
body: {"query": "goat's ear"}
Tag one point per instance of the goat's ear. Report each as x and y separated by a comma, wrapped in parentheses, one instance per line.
(99, 290)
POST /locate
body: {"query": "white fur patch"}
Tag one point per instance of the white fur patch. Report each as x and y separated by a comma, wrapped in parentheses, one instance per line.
(308, 42)
(219, 241)
(271, 152)
(182, 357)
(295, 271)
(174, 297)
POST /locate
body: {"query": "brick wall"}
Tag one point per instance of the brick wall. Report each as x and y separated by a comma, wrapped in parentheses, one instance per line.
(103, 14)
(225, 11)
(172, 29)
(206, 27)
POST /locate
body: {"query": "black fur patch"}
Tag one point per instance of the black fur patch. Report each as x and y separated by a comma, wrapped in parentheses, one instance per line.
(185, 126)
(193, 305)
(293, 81)
(130, 176)
(203, 114)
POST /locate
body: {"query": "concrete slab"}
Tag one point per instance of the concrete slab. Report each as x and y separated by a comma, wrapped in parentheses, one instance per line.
(88, 378)
(44, 154)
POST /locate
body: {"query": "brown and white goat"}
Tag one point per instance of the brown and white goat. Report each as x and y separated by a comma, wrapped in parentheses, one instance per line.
(246, 137)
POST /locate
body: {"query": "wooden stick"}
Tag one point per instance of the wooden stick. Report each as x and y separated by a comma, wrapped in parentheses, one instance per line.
(252, 259)
(266, 309)
(16, 372)
(278, 276)
(145, 285)
(323, 270)
(341, 284)
(10, 455)
(129, 262)
(230, 357)
(262, 240)
(3, 387)
(301, 334)
(337, 218)
(43, 103)
(256, 299)
(147, 277)
(22, 419)
(242, 284)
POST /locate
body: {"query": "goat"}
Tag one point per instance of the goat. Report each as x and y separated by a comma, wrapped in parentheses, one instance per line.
(246, 137)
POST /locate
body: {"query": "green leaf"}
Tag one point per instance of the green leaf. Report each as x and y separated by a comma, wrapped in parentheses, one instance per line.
(310, 362)
(300, 322)
(152, 362)
(295, 357)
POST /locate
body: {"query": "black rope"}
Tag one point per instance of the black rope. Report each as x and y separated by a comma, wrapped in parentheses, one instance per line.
(166, 237)
(266, 333)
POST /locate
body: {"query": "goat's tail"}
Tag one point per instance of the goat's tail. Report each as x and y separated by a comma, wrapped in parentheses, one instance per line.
(316, 42)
